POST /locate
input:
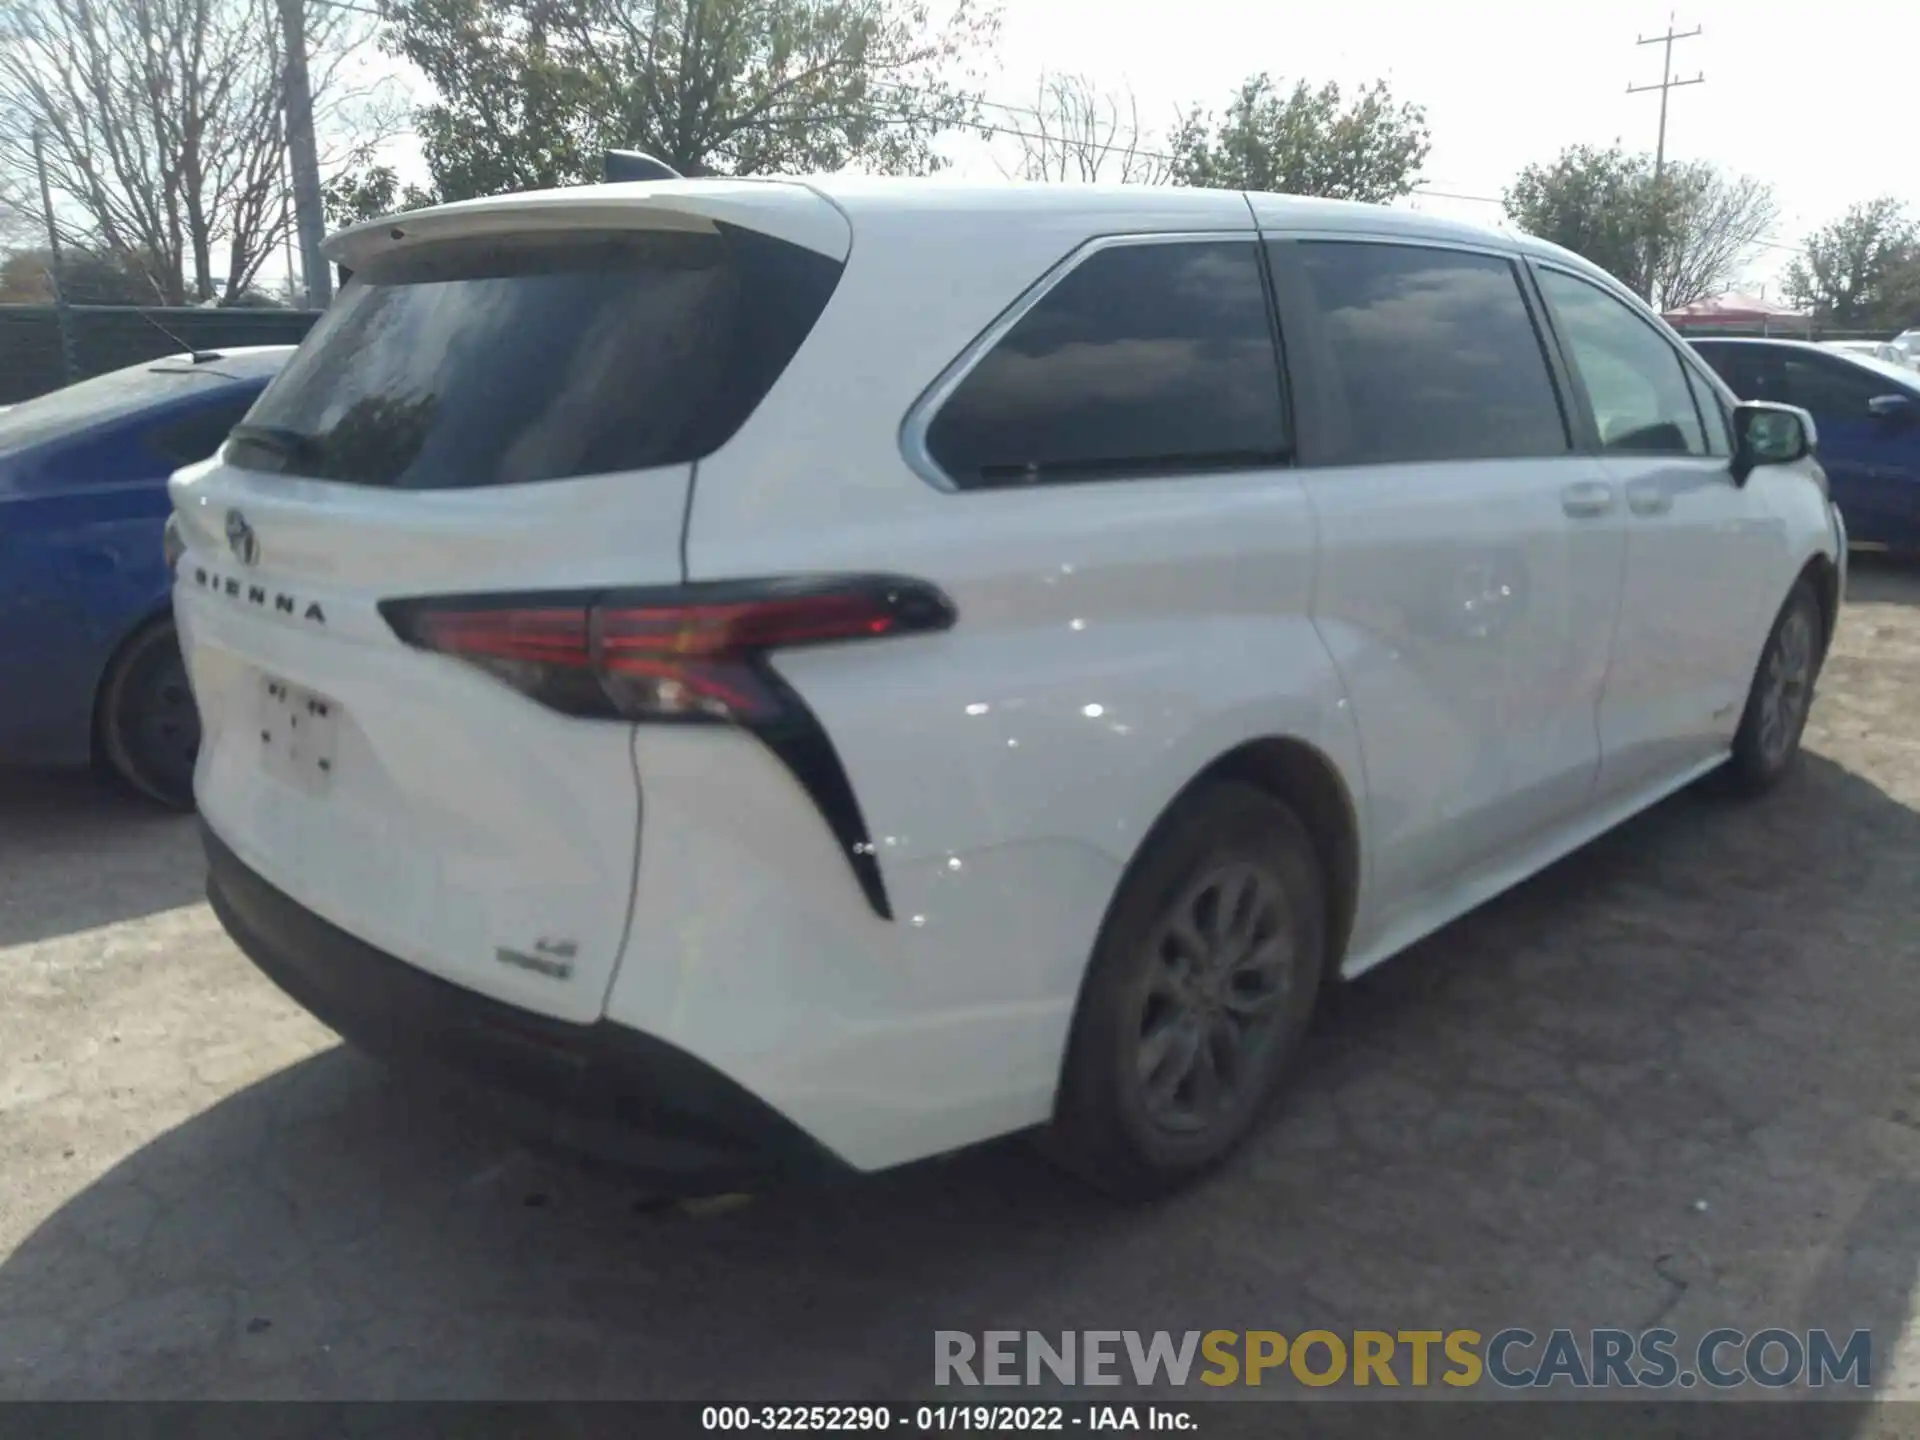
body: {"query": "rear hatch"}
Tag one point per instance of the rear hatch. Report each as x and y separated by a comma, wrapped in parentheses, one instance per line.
(507, 401)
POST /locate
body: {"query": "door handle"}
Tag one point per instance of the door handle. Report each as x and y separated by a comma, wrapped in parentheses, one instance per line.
(1648, 500)
(1586, 498)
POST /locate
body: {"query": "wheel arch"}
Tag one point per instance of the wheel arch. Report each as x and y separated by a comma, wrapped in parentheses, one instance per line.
(1824, 576)
(146, 620)
(1304, 778)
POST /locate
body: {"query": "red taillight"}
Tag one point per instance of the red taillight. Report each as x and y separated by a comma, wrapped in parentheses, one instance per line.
(692, 652)
(532, 636)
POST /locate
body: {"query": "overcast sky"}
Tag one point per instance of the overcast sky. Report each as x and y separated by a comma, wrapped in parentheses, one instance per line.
(1822, 100)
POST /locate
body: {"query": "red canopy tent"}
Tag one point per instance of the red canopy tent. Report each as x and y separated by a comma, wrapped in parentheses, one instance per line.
(1734, 311)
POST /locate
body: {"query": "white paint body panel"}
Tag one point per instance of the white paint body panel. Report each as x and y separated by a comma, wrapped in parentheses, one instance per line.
(459, 818)
(1470, 620)
(1455, 648)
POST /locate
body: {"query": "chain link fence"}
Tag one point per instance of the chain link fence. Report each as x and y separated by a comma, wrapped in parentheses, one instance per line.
(108, 337)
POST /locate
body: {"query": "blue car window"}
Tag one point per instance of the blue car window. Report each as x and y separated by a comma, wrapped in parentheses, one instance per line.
(1833, 387)
(190, 438)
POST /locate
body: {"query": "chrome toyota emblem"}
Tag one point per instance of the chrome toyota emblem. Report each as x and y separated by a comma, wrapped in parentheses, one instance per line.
(241, 539)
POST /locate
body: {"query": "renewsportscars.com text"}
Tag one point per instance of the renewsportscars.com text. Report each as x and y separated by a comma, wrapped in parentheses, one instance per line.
(1509, 1359)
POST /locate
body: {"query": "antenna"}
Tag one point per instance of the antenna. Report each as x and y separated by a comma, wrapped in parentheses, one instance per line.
(637, 165)
(195, 355)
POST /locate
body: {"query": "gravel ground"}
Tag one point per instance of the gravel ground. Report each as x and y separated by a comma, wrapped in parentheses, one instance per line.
(1675, 1079)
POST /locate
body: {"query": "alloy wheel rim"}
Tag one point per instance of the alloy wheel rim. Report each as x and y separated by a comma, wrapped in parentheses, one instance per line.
(1787, 686)
(162, 728)
(1221, 967)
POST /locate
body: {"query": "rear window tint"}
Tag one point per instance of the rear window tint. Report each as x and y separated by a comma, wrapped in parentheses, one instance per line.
(501, 361)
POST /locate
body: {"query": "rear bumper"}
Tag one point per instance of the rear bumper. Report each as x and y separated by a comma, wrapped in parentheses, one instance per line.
(601, 1089)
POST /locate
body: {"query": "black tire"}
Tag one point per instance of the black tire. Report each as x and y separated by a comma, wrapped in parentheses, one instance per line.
(147, 727)
(1151, 1002)
(1768, 741)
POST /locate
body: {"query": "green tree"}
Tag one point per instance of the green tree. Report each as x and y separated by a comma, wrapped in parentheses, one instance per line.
(533, 92)
(1863, 270)
(1679, 239)
(1600, 204)
(26, 278)
(357, 195)
(1305, 142)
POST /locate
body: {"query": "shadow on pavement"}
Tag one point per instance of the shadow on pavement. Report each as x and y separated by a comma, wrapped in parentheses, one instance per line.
(1645, 1088)
(77, 853)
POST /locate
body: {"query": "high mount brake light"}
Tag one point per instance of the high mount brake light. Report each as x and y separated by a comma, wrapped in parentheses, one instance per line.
(687, 653)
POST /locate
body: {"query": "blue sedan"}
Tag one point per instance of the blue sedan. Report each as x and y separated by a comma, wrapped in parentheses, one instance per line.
(1868, 414)
(90, 669)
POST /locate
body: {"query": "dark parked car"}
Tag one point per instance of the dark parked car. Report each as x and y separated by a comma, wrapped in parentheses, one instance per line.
(89, 665)
(1868, 415)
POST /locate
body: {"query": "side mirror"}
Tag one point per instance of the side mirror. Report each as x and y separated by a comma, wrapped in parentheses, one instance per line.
(1769, 434)
(1899, 409)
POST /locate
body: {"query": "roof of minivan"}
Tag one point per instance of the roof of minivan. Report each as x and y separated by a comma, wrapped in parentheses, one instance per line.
(853, 195)
(1013, 197)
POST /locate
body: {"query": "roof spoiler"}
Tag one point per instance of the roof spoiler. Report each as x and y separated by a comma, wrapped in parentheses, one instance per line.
(637, 165)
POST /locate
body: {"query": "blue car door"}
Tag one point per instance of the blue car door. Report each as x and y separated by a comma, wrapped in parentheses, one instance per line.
(1872, 460)
(80, 557)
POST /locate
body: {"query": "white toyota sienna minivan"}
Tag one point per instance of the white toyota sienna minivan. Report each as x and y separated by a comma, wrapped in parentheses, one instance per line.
(816, 673)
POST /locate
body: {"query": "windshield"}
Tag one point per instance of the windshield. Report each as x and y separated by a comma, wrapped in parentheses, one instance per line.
(505, 360)
(119, 392)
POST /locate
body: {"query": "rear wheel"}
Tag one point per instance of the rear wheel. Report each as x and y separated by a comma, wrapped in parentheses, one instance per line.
(1198, 994)
(1768, 740)
(149, 729)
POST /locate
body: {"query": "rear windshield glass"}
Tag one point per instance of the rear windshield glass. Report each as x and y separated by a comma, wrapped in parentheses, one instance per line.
(499, 361)
(92, 402)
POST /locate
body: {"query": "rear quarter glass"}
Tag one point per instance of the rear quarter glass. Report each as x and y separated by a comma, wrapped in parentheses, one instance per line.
(506, 360)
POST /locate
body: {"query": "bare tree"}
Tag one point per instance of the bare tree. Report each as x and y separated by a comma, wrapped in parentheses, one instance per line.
(1078, 132)
(162, 125)
(19, 223)
(1710, 224)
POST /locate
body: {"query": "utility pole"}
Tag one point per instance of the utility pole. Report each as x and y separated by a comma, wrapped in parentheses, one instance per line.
(1667, 82)
(69, 361)
(308, 216)
(296, 287)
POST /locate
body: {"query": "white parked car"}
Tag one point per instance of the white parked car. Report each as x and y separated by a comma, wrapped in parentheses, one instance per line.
(1884, 350)
(787, 673)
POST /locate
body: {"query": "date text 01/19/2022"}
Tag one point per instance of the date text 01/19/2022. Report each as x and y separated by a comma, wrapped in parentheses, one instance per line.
(938, 1419)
